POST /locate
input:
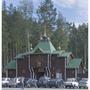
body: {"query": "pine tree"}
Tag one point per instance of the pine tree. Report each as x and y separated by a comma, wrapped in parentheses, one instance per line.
(47, 15)
(5, 38)
(26, 10)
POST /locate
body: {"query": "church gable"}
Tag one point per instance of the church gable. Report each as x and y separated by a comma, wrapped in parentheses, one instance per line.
(44, 46)
(38, 51)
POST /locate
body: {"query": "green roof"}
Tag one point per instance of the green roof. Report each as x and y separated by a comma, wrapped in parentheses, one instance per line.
(22, 54)
(19, 56)
(74, 63)
(58, 52)
(45, 46)
(11, 65)
(66, 54)
(62, 53)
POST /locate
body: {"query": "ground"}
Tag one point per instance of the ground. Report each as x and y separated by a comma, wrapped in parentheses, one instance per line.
(39, 89)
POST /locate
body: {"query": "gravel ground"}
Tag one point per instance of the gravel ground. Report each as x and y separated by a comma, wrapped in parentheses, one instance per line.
(39, 89)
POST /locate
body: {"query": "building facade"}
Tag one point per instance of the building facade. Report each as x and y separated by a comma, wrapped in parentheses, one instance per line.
(44, 59)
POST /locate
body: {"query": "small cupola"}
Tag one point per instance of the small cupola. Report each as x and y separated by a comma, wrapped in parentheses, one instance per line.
(44, 45)
(59, 47)
(44, 37)
(31, 47)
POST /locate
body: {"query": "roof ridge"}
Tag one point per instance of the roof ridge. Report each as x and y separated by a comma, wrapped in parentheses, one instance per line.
(52, 46)
(45, 45)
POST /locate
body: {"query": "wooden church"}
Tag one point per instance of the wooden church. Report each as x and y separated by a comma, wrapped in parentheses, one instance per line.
(44, 59)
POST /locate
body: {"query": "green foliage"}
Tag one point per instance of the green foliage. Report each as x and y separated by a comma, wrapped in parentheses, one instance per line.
(26, 8)
(5, 34)
(78, 42)
(47, 15)
(19, 29)
(60, 35)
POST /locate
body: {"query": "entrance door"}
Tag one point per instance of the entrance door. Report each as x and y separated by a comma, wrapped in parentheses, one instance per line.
(59, 75)
(39, 72)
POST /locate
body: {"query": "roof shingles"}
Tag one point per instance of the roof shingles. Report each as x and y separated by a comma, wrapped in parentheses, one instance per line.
(11, 65)
(74, 63)
(45, 46)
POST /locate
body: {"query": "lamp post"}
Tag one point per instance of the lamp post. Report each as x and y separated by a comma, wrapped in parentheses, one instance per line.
(16, 63)
(85, 56)
(65, 69)
(16, 69)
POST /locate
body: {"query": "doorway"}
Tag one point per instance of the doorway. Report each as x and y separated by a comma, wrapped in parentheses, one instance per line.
(39, 72)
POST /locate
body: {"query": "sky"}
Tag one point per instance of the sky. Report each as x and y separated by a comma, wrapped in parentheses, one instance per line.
(73, 10)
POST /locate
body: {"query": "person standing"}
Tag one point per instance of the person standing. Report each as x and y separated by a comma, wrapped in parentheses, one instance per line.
(22, 82)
